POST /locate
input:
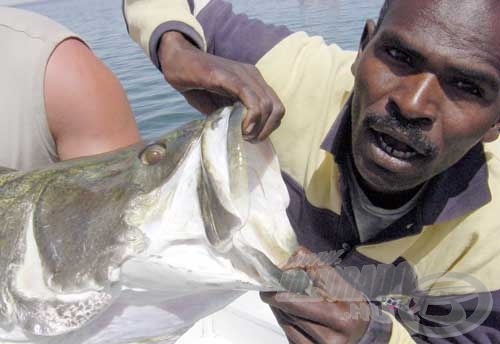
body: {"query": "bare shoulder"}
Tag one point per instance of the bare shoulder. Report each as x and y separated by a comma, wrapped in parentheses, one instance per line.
(87, 110)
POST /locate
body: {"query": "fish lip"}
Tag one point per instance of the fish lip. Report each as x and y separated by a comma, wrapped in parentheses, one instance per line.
(402, 138)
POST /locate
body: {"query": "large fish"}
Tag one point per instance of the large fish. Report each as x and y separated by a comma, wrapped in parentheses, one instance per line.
(136, 245)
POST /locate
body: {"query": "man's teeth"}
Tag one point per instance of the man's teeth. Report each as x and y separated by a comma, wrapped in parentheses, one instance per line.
(393, 151)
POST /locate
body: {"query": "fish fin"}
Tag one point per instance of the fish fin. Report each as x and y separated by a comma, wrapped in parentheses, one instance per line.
(293, 280)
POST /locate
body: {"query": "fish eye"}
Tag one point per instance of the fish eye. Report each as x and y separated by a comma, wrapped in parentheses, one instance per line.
(153, 154)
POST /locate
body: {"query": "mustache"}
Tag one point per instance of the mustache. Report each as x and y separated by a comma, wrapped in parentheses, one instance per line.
(415, 135)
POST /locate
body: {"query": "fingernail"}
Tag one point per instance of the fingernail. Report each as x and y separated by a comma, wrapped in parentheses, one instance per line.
(249, 128)
(250, 138)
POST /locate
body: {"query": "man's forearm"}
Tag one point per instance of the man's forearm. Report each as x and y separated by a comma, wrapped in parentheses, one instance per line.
(173, 48)
(147, 20)
(211, 26)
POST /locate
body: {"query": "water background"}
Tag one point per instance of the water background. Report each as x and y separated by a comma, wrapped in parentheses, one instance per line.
(158, 108)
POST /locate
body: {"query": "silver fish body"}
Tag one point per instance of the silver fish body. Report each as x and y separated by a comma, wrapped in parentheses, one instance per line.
(86, 245)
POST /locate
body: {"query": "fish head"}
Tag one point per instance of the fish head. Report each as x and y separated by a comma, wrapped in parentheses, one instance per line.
(225, 203)
(194, 177)
(64, 236)
(197, 209)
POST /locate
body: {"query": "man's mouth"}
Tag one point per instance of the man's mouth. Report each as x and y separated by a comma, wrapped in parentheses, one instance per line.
(395, 148)
(400, 141)
(392, 153)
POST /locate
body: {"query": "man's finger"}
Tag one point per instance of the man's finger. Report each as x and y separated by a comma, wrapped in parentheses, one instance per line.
(272, 122)
(268, 106)
(303, 331)
(251, 124)
(333, 285)
(330, 314)
(320, 334)
(272, 112)
(302, 258)
(293, 334)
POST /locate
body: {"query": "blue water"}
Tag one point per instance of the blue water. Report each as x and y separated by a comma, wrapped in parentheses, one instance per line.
(157, 106)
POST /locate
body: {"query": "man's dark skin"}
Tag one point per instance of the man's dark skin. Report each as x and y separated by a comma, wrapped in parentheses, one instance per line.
(426, 80)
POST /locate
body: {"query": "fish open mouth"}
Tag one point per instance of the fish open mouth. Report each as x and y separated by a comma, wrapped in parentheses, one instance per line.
(396, 148)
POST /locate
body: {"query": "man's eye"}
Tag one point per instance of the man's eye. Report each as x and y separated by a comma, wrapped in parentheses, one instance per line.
(469, 88)
(399, 56)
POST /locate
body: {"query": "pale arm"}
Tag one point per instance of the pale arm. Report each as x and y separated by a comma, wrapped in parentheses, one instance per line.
(87, 110)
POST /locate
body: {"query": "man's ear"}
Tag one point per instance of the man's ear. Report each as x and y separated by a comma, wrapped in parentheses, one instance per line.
(368, 33)
(492, 133)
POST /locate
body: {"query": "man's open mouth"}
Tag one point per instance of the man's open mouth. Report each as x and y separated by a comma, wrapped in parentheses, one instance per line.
(395, 147)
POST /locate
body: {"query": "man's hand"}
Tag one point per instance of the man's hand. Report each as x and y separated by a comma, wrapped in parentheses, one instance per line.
(199, 76)
(324, 317)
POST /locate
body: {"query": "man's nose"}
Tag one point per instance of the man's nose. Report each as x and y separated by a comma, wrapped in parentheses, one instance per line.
(417, 98)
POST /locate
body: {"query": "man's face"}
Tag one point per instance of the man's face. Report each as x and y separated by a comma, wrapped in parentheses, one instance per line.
(426, 90)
